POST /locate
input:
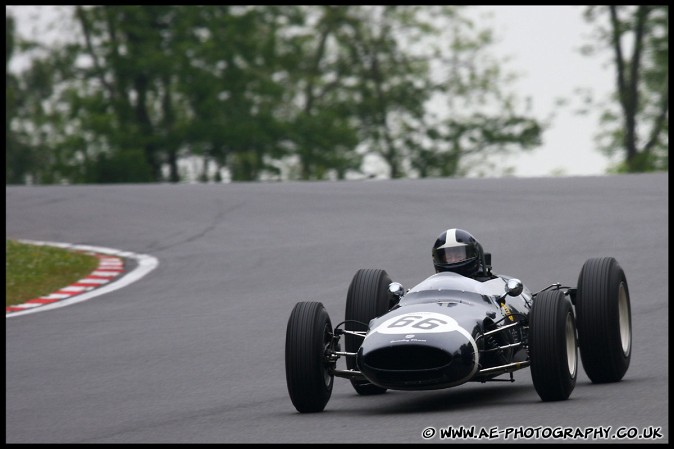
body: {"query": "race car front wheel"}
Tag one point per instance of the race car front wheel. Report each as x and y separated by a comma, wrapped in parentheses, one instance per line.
(368, 297)
(308, 373)
(604, 320)
(553, 347)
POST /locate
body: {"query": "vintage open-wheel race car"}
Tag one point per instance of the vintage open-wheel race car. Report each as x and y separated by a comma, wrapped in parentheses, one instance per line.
(451, 329)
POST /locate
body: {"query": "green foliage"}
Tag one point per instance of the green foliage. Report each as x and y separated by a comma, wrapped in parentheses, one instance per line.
(636, 121)
(268, 92)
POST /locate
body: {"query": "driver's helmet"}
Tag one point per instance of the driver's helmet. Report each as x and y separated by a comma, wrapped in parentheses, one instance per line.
(457, 250)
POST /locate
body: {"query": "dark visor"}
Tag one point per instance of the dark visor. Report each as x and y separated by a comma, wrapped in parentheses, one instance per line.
(456, 254)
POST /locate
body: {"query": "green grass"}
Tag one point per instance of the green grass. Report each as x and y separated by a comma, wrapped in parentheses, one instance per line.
(32, 271)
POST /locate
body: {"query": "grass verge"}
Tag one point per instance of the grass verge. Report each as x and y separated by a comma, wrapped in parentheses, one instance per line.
(32, 271)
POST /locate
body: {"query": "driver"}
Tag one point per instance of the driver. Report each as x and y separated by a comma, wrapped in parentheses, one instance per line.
(458, 251)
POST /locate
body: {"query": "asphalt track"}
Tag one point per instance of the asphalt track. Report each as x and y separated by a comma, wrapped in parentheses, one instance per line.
(194, 352)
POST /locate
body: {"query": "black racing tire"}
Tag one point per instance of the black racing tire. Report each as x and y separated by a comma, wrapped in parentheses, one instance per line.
(368, 297)
(308, 373)
(604, 320)
(553, 346)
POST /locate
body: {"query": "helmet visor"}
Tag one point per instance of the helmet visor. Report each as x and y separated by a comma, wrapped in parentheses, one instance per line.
(456, 254)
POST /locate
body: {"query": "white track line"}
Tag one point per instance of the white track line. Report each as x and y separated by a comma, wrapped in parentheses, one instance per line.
(146, 264)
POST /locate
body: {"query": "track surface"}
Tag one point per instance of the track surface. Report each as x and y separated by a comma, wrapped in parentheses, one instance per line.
(194, 352)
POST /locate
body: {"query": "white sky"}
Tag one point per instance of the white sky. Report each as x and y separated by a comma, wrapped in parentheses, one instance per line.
(542, 43)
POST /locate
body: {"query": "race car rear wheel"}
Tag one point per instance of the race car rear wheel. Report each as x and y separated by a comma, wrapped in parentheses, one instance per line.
(553, 347)
(604, 320)
(308, 372)
(368, 297)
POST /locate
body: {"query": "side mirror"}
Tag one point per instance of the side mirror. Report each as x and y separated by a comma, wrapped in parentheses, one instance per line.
(396, 288)
(514, 287)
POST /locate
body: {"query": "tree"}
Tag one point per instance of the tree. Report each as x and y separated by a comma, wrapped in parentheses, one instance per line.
(14, 166)
(321, 130)
(639, 39)
(230, 76)
(429, 94)
(392, 86)
(32, 118)
(124, 95)
(260, 89)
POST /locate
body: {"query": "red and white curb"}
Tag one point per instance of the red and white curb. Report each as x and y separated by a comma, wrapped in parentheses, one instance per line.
(109, 276)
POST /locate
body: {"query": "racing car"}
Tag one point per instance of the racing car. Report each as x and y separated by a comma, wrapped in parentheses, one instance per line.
(451, 329)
